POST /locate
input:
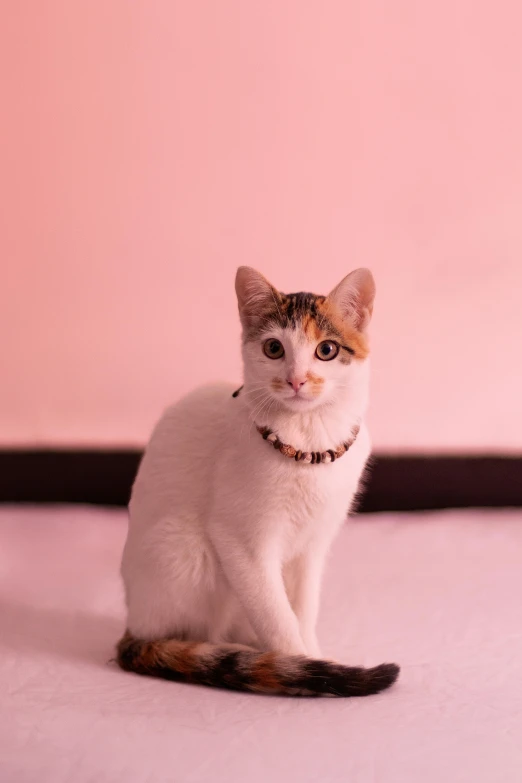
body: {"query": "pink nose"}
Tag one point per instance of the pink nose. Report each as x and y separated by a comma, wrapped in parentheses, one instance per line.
(295, 383)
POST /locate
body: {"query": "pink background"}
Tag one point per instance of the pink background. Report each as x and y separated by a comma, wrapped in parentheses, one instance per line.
(151, 147)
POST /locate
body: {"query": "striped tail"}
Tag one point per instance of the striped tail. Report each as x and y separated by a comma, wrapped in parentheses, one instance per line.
(242, 669)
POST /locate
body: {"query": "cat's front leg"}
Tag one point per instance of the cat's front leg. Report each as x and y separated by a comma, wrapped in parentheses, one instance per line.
(255, 576)
(304, 587)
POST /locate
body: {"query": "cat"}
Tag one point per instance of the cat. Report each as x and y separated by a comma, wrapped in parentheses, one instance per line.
(239, 496)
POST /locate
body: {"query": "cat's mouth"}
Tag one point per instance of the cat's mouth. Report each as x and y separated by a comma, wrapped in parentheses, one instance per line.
(299, 401)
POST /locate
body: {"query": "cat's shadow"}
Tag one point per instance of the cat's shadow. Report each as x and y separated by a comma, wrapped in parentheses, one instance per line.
(70, 635)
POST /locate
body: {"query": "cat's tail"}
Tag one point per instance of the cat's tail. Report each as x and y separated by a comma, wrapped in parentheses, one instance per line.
(243, 669)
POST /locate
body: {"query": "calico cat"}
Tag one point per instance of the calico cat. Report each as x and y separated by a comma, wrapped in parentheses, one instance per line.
(239, 496)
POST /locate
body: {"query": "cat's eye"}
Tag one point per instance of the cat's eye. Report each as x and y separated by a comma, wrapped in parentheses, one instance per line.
(327, 350)
(273, 349)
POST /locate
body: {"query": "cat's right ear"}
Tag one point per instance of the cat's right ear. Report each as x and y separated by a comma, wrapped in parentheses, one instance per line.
(255, 294)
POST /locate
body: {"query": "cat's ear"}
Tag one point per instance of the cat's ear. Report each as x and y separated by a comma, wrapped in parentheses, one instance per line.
(353, 298)
(254, 294)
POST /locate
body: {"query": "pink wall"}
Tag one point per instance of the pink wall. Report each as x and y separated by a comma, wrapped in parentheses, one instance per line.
(151, 147)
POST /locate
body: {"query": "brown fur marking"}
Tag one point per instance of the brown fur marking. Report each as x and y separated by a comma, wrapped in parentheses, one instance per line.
(316, 383)
(181, 656)
(237, 668)
(310, 376)
(345, 330)
(315, 315)
(264, 676)
(277, 384)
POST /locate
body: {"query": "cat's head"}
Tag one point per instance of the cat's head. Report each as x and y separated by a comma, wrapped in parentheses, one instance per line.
(303, 350)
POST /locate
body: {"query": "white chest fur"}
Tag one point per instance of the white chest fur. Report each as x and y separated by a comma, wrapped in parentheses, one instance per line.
(297, 502)
(216, 514)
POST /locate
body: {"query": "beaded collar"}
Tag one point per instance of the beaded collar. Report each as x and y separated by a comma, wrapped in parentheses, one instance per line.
(308, 457)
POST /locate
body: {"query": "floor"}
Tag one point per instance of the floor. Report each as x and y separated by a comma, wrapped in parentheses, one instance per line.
(439, 593)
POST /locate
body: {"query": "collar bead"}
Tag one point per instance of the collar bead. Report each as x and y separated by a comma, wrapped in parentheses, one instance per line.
(308, 457)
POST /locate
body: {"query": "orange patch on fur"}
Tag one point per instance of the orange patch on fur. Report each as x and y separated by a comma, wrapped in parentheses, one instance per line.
(351, 336)
(179, 656)
(264, 673)
(277, 384)
(316, 383)
(311, 328)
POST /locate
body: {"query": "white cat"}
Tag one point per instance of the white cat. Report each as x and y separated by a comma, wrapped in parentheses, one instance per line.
(239, 496)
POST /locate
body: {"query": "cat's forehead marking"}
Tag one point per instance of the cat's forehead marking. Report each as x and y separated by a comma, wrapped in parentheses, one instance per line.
(305, 311)
(298, 305)
(317, 319)
(311, 314)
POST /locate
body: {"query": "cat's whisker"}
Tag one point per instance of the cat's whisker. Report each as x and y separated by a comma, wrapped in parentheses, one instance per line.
(249, 392)
(258, 402)
(255, 392)
(273, 402)
(258, 408)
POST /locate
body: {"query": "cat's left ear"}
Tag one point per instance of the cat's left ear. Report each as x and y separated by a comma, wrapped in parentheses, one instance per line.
(255, 295)
(353, 297)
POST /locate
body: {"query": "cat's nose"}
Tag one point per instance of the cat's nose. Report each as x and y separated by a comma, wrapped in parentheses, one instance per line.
(296, 383)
